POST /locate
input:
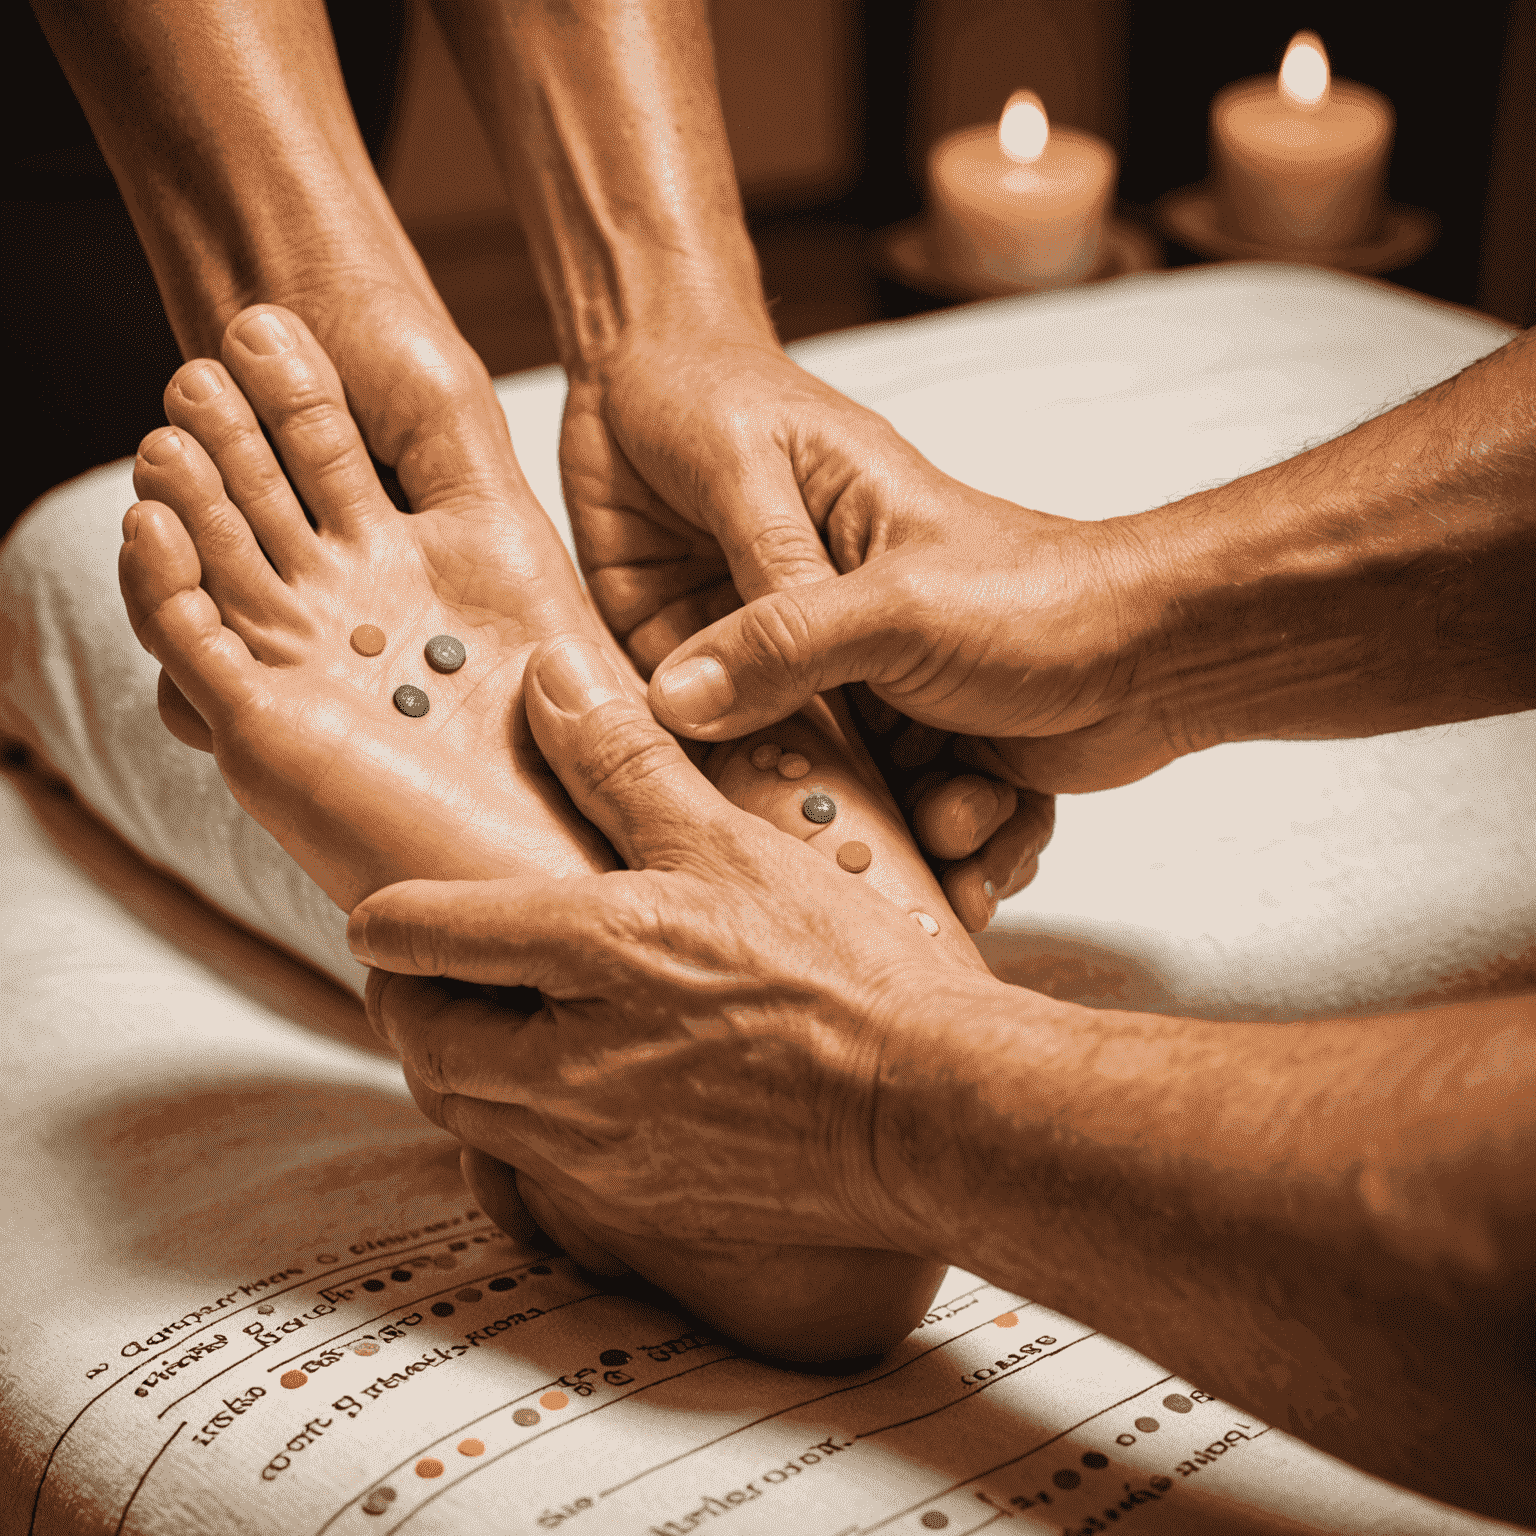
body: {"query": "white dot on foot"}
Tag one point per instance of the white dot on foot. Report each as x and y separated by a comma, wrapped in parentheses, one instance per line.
(928, 924)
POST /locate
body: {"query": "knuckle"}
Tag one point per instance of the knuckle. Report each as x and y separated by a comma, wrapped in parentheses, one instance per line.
(775, 635)
(620, 750)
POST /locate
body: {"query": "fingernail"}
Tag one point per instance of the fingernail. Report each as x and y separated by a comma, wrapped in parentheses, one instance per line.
(976, 810)
(357, 937)
(199, 383)
(162, 450)
(130, 525)
(576, 677)
(697, 691)
(264, 334)
(989, 890)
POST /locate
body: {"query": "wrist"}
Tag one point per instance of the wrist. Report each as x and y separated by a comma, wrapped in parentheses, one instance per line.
(957, 1119)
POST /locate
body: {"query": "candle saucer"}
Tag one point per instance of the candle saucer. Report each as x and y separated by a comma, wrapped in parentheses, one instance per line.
(902, 251)
(1190, 217)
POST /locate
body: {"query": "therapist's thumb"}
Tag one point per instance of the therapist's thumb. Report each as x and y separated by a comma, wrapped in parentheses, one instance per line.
(626, 774)
(760, 664)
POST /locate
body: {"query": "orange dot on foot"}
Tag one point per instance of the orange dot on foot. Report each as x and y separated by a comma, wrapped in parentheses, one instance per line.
(854, 857)
(367, 639)
(766, 755)
(553, 1400)
(293, 1378)
(793, 766)
(429, 1466)
(471, 1447)
(1007, 1320)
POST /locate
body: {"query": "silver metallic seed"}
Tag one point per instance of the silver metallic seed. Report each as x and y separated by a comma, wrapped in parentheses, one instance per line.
(819, 807)
(445, 653)
(410, 700)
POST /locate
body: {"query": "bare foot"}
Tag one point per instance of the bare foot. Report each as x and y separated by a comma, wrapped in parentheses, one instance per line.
(255, 616)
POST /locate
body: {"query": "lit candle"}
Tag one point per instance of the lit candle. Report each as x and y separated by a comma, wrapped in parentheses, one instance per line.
(1023, 204)
(1300, 160)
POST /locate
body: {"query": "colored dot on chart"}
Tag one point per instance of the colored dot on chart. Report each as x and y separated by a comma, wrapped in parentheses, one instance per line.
(1176, 1402)
(1095, 1460)
(505, 1283)
(293, 1378)
(527, 1417)
(614, 1357)
(266, 1309)
(399, 1274)
(934, 1521)
(373, 1285)
(471, 1447)
(1067, 1479)
(1147, 1426)
(458, 1247)
(553, 1400)
(1007, 1320)
(429, 1466)
(469, 1293)
(442, 1309)
(366, 1347)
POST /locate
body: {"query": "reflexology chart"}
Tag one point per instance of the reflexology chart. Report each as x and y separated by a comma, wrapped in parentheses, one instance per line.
(443, 1380)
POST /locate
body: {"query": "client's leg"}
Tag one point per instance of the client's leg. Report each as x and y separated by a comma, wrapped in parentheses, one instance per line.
(372, 757)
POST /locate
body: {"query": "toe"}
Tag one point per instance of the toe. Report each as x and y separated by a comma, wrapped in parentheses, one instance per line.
(172, 469)
(297, 393)
(206, 401)
(176, 621)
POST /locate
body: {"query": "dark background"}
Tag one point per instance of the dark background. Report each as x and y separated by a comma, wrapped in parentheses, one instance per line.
(91, 349)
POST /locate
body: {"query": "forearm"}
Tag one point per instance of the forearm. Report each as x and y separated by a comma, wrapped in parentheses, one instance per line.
(605, 118)
(1379, 582)
(1324, 1223)
(228, 129)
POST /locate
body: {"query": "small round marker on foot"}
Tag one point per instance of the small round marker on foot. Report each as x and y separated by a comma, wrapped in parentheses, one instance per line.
(410, 700)
(367, 639)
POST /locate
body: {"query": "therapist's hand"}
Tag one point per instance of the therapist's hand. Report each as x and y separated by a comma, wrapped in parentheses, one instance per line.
(702, 468)
(1025, 634)
(723, 1028)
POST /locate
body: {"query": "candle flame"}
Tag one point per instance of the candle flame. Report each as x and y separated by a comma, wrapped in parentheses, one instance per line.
(1304, 73)
(1024, 129)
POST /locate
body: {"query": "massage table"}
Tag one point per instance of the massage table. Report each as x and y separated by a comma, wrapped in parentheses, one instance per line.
(216, 1179)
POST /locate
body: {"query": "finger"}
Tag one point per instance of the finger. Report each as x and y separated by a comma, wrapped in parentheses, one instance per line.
(625, 773)
(526, 932)
(757, 666)
(958, 815)
(1007, 862)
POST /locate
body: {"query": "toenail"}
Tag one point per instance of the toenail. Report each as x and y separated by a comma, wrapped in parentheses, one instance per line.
(199, 383)
(445, 653)
(162, 450)
(928, 924)
(410, 700)
(264, 334)
(819, 807)
(130, 525)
